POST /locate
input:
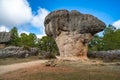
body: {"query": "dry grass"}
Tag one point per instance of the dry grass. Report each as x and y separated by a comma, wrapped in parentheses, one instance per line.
(67, 71)
(8, 61)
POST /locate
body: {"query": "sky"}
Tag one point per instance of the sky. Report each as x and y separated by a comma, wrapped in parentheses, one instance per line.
(28, 15)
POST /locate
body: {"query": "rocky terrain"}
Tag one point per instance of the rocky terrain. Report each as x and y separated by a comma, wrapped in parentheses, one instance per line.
(20, 52)
(72, 32)
(65, 70)
(105, 55)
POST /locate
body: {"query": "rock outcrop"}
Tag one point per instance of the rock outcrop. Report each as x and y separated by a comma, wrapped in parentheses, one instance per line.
(46, 55)
(105, 55)
(72, 32)
(19, 52)
(5, 38)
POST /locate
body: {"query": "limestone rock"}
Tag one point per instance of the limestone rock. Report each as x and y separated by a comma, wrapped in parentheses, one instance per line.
(46, 55)
(72, 31)
(51, 63)
(20, 52)
(5, 37)
(105, 55)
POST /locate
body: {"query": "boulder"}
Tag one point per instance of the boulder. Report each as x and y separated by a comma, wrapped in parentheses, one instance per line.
(33, 51)
(105, 55)
(72, 32)
(20, 52)
(47, 55)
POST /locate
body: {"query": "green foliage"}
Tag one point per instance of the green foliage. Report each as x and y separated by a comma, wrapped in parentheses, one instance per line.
(48, 44)
(109, 41)
(111, 38)
(26, 48)
(96, 44)
(28, 40)
(32, 39)
(14, 36)
(22, 40)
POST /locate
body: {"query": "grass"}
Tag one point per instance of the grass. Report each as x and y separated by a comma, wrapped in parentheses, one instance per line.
(72, 76)
(7, 61)
(67, 71)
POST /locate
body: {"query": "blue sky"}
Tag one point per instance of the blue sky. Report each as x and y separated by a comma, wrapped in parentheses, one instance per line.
(107, 10)
(32, 12)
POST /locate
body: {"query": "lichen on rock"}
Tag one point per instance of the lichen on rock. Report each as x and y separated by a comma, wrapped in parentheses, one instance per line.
(72, 32)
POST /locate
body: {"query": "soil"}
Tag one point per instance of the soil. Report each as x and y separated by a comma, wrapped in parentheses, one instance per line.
(13, 67)
(65, 70)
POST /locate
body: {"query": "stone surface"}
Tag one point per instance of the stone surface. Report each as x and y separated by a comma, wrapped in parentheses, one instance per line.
(72, 32)
(5, 38)
(19, 52)
(105, 55)
(51, 63)
(46, 55)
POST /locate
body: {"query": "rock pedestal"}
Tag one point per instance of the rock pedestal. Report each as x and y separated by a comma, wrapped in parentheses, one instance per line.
(72, 32)
(73, 45)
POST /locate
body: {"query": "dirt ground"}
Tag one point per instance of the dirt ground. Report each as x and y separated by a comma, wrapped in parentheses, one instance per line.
(65, 70)
(8, 68)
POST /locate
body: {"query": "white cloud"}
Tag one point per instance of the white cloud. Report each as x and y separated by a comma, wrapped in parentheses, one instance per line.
(40, 35)
(116, 24)
(3, 29)
(19, 13)
(14, 12)
(38, 20)
(22, 31)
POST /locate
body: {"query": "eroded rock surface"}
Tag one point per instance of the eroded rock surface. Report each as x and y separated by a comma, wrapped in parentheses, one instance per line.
(109, 56)
(72, 32)
(20, 52)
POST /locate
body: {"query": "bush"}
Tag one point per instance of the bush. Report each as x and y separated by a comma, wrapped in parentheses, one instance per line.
(47, 55)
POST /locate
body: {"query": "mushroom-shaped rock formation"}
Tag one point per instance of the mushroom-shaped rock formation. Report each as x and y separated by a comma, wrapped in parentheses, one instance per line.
(72, 32)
